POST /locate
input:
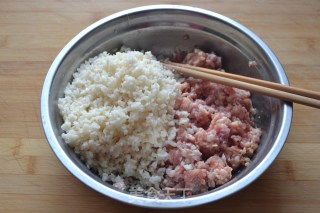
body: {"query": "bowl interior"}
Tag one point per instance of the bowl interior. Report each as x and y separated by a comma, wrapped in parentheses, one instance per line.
(166, 31)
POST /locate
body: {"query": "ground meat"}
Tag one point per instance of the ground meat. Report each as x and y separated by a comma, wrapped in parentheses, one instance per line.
(202, 59)
(215, 130)
(196, 180)
(218, 171)
(186, 152)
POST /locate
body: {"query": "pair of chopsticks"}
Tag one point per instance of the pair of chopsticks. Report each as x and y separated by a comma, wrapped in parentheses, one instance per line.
(283, 92)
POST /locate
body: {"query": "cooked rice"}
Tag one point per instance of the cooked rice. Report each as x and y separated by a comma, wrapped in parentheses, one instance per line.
(118, 114)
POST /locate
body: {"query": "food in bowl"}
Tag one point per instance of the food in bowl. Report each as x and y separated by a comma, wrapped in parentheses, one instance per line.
(137, 124)
(118, 115)
(215, 130)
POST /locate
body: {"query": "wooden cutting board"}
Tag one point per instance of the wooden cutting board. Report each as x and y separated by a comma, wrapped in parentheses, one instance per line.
(33, 32)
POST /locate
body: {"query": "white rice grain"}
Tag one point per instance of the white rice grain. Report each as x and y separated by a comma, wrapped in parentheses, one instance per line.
(117, 112)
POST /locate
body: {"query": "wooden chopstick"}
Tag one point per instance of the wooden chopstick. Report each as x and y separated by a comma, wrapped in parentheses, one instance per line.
(286, 93)
(272, 85)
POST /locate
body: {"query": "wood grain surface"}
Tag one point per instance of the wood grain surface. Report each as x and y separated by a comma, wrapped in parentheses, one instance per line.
(33, 32)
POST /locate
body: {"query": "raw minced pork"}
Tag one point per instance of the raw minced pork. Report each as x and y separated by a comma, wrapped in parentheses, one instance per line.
(215, 130)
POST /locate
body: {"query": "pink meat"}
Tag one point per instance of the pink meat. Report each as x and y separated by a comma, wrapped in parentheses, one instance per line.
(207, 142)
(215, 130)
(184, 152)
(218, 171)
(196, 180)
(174, 177)
(202, 59)
(184, 136)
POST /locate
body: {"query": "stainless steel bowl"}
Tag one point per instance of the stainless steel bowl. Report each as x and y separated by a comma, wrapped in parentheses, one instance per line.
(164, 29)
